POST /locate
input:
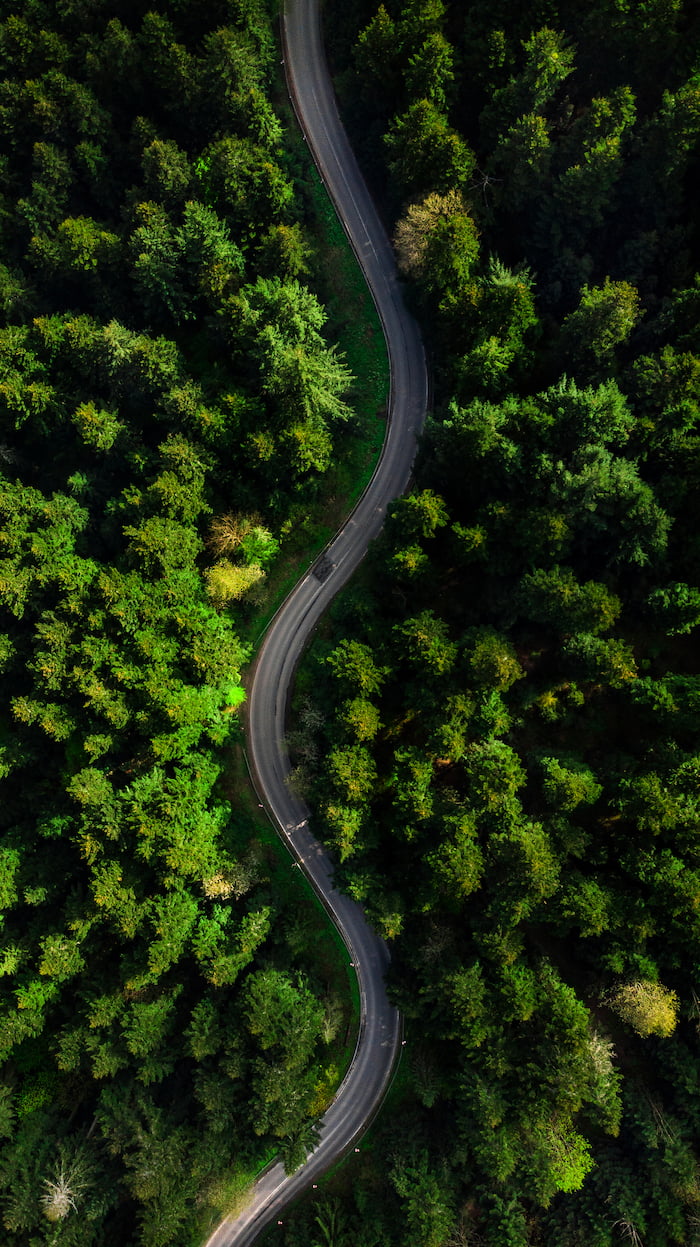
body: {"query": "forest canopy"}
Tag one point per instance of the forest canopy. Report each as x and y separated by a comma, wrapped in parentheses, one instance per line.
(509, 696)
(498, 728)
(170, 398)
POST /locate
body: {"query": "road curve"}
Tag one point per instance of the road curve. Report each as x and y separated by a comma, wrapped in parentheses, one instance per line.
(311, 92)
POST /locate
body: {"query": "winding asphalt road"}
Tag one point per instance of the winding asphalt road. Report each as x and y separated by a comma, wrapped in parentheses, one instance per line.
(379, 1037)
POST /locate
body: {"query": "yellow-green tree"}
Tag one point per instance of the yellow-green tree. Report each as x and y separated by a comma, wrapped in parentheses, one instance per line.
(647, 1006)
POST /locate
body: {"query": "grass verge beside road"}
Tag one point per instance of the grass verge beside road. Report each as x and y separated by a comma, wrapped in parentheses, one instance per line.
(355, 325)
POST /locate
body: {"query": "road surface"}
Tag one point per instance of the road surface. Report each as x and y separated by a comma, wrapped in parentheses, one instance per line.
(379, 1036)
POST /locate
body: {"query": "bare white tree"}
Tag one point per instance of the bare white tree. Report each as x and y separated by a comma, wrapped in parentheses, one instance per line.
(69, 1180)
(629, 1231)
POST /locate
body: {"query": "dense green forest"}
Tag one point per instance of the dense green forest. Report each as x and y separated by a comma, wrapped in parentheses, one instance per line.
(170, 400)
(510, 695)
(499, 727)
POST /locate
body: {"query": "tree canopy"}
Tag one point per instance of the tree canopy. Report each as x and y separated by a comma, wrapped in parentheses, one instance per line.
(170, 393)
(515, 801)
